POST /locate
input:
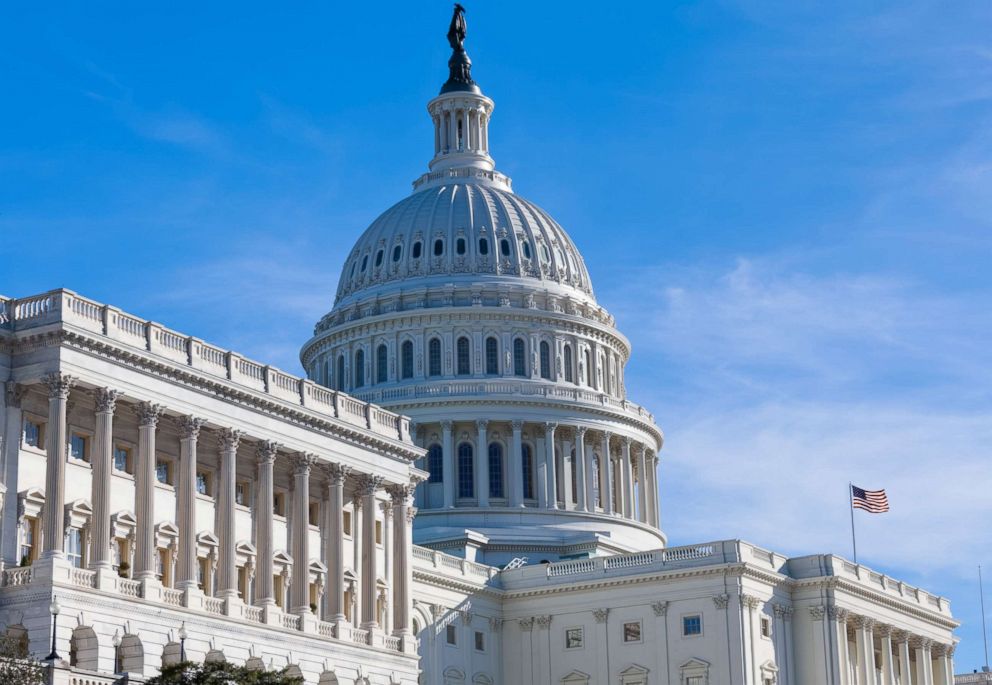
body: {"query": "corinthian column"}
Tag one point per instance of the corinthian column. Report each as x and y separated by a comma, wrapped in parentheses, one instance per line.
(264, 511)
(626, 478)
(103, 465)
(482, 464)
(144, 535)
(334, 541)
(227, 563)
(300, 590)
(515, 467)
(403, 512)
(189, 431)
(865, 644)
(642, 485)
(448, 465)
(58, 385)
(368, 485)
(582, 502)
(606, 480)
(551, 496)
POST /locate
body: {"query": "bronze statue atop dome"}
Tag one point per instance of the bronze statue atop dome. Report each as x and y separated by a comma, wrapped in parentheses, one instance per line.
(459, 65)
(456, 32)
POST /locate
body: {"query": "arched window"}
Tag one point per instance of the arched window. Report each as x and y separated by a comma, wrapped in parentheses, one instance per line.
(464, 359)
(417, 248)
(527, 249)
(460, 246)
(365, 263)
(438, 247)
(381, 364)
(596, 498)
(504, 247)
(483, 246)
(466, 466)
(434, 357)
(545, 359)
(378, 259)
(339, 384)
(568, 364)
(492, 356)
(588, 369)
(406, 359)
(435, 464)
(397, 252)
(359, 368)
(496, 470)
(519, 357)
(527, 470)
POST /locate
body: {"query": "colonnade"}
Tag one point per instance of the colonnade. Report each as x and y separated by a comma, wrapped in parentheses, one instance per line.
(564, 464)
(334, 477)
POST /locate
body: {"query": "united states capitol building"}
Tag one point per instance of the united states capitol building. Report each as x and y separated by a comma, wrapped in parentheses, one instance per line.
(459, 490)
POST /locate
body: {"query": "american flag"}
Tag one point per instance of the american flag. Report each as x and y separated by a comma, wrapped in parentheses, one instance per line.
(872, 501)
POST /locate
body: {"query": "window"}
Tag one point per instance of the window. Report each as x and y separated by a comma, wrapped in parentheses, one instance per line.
(632, 631)
(163, 472)
(526, 249)
(203, 483)
(464, 360)
(378, 259)
(694, 680)
(359, 368)
(365, 263)
(546, 252)
(313, 514)
(397, 253)
(527, 470)
(79, 447)
(588, 369)
(438, 247)
(122, 459)
(504, 247)
(480, 642)
(766, 627)
(568, 364)
(435, 464)
(460, 246)
(340, 375)
(346, 523)
(378, 532)
(241, 493)
(381, 364)
(202, 572)
(279, 503)
(692, 625)
(28, 539)
(483, 246)
(406, 359)
(595, 481)
(74, 547)
(545, 359)
(519, 357)
(417, 249)
(466, 479)
(573, 638)
(496, 470)
(492, 356)
(451, 635)
(33, 432)
(434, 357)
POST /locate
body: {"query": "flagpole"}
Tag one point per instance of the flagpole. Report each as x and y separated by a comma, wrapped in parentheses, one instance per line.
(850, 504)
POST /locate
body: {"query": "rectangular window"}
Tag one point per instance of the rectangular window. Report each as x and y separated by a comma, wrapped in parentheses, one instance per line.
(78, 445)
(241, 493)
(451, 635)
(74, 547)
(122, 459)
(632, 631)
(203, 483)
(694, 680)
(766, 627)
(314, 513)
(692, 625)
(480, 642)
(279, 503)
(163, 472)
(27, 540)
(347, 523)
(378, 532)
(573, 638)
(33, 434)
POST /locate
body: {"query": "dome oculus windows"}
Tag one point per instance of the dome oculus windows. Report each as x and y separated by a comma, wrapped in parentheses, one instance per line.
(438, 247)
(378, 258)
(397, 253)
(460, 246)
(526, 245)
(365, 263)
(504, 247)
(483, 246)
(417, 249)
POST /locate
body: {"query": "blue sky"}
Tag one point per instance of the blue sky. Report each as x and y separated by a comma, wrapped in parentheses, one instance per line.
(787, 205)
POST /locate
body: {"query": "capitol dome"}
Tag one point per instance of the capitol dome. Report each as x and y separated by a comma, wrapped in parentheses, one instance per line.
(470, 310)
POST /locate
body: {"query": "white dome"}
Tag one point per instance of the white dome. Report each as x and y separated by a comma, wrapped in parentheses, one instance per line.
(468, 228)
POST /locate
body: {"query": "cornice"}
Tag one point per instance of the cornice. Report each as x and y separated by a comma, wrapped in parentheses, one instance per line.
(835, 583)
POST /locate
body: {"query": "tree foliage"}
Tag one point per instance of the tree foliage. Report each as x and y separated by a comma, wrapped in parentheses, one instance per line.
(16, 665)
(220, 673)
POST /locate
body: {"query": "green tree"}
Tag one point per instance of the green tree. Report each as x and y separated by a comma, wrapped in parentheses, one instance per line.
(219, 673)
(16, 665)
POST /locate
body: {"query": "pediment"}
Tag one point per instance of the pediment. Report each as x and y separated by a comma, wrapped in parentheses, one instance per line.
(634, 669)
(575, 678)
(207, 538)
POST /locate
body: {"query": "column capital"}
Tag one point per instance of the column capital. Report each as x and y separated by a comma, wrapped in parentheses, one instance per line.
(660, 608)
(517, 425)
(106, 400)
(336, 473)
(446, 425)
(900, 636)
(368, 484)
(229, 439)
(526, 624)
(59, 384)
(544, 622)
(625, 442)
(149, 413)
(400, 493)
(15, 393)
(550, 426)
(580, 431)
(303, 462)
(883, 630)
(721, 601)
(411, 513)
(838, 614)
(601, 615)
(189, 427)
(750, 601)
(783, 611)
(266, 451)
(386, 507)
(482, 424)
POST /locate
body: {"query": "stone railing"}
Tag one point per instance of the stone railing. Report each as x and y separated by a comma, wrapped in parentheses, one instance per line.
(66, 307)
(452, 566)
(14, 577)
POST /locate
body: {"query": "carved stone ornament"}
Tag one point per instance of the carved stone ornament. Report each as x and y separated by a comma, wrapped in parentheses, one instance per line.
(303, 462)
(543, 622)
(526, 624)
(495, 624)
(837, 614)
(336, 473)
(466, 616)
(750, 601)
(601, 615)
(368, 484)
(189, 427)
(816, 612)
(266, 451)
(58, 384)
(783, 611)
(149, 414)
(660, 608)
(106, 400)
(15, 393)
(720, 601)
(401, 494)
(229, 439)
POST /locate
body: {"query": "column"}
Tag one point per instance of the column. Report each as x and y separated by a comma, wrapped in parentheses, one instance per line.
(368, 485)
(514, 468)
(386, 507)
(905, 666)
(945, 665)
(606, 474)
(482, 464)
(924, 667)
(300, 589)
(888, 668)
(56, 441)
(189, 431)
(334, 541)
(626, 478)
(655, 495)
(551, 496)
(403, 513)
(227, 570)
(642, 485)
(448, 447)
(865, 641)
(103, 465)
(838, 624)
(144, 534)
(357, 527)
(566, 474)
(582, 502)
(264, 511)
